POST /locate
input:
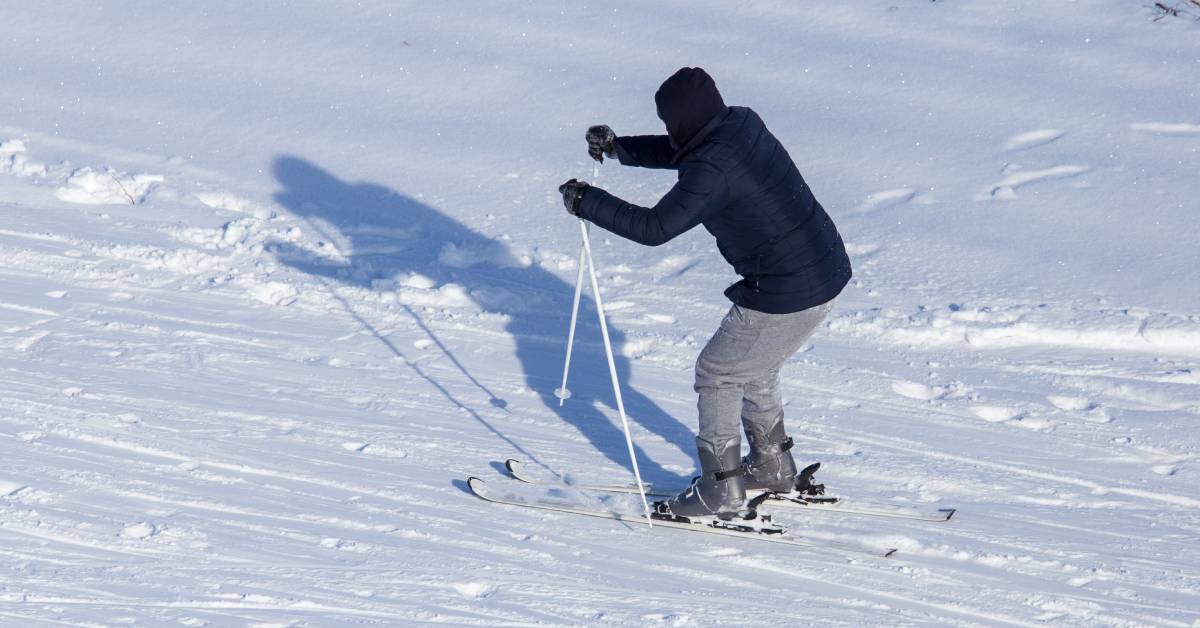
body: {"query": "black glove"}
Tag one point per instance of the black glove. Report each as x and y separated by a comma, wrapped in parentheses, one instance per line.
(572, 192)
(602, 142)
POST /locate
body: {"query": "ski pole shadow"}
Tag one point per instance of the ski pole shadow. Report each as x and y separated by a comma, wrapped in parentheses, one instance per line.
(385, 236)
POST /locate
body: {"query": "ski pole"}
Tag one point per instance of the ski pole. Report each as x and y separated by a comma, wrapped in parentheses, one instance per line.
(562, 392)
(612, 366)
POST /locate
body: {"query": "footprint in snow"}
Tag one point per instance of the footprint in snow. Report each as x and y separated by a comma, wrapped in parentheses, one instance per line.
(884, 199)
(1016, 177)
(673, 266)
(140, 530)
(474, 590)
(1011, 416)
(1032, 423)
(1032, 139)
(914, 390)
(1074, 404)
(995, 414)
(617, 306)
(273, 293)
(1165, 469)
(861, 249)
(342, 544)
(373, 449)
(229, 202)
(674, 619)
(1166, 128)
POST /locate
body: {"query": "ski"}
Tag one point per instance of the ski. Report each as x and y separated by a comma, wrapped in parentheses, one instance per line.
(818, 503)
(760, 530)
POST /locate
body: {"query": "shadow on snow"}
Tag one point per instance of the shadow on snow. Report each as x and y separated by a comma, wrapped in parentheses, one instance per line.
(388, 235)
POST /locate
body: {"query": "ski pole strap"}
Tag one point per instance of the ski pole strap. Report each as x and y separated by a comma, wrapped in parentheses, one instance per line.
(730, 473)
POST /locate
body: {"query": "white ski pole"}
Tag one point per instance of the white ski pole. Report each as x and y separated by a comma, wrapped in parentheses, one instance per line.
(563, 393)
(612, 365)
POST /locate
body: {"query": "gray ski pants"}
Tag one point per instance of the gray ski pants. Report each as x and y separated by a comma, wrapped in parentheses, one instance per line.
(737, 373)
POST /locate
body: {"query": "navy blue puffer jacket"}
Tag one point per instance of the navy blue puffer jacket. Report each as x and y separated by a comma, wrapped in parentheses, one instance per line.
(737, 180)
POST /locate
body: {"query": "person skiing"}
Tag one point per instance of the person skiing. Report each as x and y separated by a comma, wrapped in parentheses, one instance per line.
(736, 179)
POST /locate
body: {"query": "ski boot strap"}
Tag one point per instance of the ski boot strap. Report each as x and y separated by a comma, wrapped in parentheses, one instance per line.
(773, 449)
(728, 473)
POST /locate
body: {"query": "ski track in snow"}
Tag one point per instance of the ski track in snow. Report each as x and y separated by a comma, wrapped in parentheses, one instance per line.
(220, 407)
(174, 499)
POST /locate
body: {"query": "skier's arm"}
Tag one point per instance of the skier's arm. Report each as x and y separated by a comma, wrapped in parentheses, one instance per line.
(701, 192)
(647, 151)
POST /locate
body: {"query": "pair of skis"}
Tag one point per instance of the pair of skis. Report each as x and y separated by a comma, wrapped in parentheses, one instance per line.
(759, 527)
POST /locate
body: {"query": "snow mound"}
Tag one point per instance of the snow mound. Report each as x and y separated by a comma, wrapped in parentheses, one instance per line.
(140, 530)
(90, 187)
(995, 414)
(13, 160)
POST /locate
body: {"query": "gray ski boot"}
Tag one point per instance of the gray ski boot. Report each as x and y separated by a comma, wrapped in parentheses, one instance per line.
(718, 492)
(770, 465)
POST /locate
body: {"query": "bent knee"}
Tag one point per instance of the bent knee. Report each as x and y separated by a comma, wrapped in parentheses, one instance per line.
(717, 374)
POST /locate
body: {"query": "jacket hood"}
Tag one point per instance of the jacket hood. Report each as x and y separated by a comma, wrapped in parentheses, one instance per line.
(686, 102)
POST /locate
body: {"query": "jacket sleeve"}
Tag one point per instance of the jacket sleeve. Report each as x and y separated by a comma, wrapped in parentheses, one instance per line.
(647, 151)
(700, 192)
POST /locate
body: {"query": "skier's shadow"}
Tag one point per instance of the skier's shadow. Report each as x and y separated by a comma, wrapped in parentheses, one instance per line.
(389, 236)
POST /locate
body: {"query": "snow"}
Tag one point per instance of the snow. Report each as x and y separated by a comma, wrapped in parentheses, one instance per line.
(85, 186)
(278, 278)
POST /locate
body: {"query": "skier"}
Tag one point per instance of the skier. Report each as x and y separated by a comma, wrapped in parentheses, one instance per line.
(736, 179)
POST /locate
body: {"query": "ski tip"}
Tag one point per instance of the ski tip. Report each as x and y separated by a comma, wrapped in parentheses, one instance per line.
(949, 512)
(477, 486)
(889, 553)
(515, 467)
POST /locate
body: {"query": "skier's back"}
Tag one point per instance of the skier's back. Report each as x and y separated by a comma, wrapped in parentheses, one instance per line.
(737, 180)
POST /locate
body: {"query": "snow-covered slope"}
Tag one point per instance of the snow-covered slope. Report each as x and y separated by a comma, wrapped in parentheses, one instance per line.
(278, 277)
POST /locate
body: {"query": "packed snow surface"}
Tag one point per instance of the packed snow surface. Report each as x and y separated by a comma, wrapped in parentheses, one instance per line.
(278, 277)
